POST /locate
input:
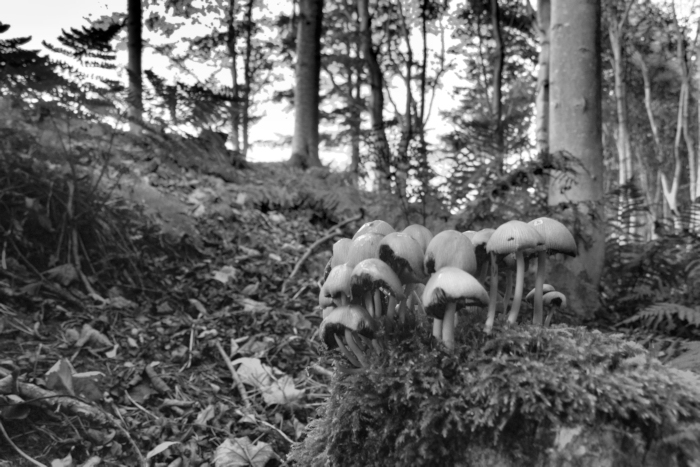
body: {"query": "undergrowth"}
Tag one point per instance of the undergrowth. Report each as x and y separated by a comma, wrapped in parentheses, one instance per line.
(418, 406)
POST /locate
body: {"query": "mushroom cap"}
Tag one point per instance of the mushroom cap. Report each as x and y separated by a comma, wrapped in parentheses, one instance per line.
(377, 226)
(479, 241)
(470, 234)
(512, 237)
(327, 270)
(372, 274)
(327, 311)
(364, 247)
(340, 251)
(404, 256)
(352, 317)
(545, 288)
(420, 233)
(323, 300)
(452, 285)
(557, 238)
(450, 248)
(338, 282)
(554, 298)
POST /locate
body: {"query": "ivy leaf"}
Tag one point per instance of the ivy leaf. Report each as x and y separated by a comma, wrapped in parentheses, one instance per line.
(240, 452)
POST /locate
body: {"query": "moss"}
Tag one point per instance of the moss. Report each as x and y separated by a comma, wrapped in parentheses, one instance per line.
(503, 400)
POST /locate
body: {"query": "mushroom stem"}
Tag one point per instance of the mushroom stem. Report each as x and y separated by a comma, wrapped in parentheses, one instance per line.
(539, 284)
(518, 295)
(369, 304)
(493, 295)
(346, 352)
(391, 307)
(377, 304)
(344, 299)
(482, 272)
(448, 326)
(350, 339)
(508, 290)
(437, 329)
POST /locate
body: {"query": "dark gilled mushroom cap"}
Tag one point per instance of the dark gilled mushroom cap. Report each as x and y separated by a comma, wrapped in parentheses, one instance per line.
(372, 274)
(379, 227)
(479, 241)
(352, 317)
(403, 255)
(323, 300)
(419, 233)
(554, 298)
(545, 288)
(364, 247)
(514, 236)
(557, 238)
(452, 285)
(338, 282)
(450, 248)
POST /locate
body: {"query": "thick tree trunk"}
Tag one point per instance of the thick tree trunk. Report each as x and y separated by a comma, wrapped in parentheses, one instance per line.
(231, 39)
(575, 129)
(306, 95)
(134, 45)
(247, 78)
(376, 81)
(542, 102)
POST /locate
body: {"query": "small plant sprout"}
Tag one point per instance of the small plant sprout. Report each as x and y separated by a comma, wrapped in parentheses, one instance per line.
(340, 328)
(511, 237)
(553, 301)
(446, 290)
(557, 239)
(337, 286)
(369, 278)
(377, 227)
(405, 257)
(419, 233)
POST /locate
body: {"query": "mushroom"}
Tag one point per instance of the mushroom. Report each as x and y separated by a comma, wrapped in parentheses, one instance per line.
(511, 237)
(405, 257)
(545, 288)
(479, 240)
(348, 321)
(369, 278)
(363, 247)
(445, 290)
(557, 239)
(340, 251)
(419, 233)
(378, 227)
(553, 301)
(450, 248)
(338, 287)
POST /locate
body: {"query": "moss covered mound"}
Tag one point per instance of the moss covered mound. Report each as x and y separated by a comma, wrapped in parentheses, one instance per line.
(523, 396)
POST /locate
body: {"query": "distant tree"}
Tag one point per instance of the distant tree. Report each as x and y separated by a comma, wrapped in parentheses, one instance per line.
(575, 130)
(134, 46)
(305, 141)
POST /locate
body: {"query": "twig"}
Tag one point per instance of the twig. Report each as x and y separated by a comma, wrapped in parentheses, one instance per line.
(333, 232)
(19, 451)
(282, 433)
(236, 379)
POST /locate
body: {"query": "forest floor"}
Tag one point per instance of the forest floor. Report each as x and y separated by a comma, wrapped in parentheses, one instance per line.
(185, 337)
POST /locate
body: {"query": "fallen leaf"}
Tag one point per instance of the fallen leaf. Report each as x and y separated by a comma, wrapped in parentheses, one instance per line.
(160, 448)
(225, 274)
(282, 392)
(240, 452)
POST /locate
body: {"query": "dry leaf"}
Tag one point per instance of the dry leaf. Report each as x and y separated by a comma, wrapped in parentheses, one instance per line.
(240, 452)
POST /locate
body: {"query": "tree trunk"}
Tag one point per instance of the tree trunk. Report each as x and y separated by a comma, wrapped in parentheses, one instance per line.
(231, 39)
(134, 44)
(376, 81)
(497, 104)
(575, 129)
(247, 78)
(542, 102)
(306, 95)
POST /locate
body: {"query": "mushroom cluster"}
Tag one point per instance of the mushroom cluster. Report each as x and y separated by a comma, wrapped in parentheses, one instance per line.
(379, 278)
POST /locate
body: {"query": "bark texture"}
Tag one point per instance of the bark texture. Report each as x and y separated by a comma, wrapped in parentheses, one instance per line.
(306, 95)
(134, 46)
(542, 102)
(231, 39)
(575, 130)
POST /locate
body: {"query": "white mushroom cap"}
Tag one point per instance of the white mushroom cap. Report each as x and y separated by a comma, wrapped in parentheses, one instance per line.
(352, 317)
(403, 255)
(450, 248)
(419, 233)
(554, 298)
(378, 226)
(372, 274)
(364, 247)
(514, 236)
(452, 285)
(545, 288)
(557, 238)
(340, 252)
(338, 282)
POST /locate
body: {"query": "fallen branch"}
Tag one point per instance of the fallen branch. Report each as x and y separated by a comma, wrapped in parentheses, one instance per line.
(332, 233)
(234, 374)
(50, 400)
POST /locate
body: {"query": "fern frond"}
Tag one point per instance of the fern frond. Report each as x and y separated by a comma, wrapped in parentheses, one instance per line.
(663, 316)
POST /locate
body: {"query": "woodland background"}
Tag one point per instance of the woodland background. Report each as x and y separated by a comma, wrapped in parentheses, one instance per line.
(139, 241)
